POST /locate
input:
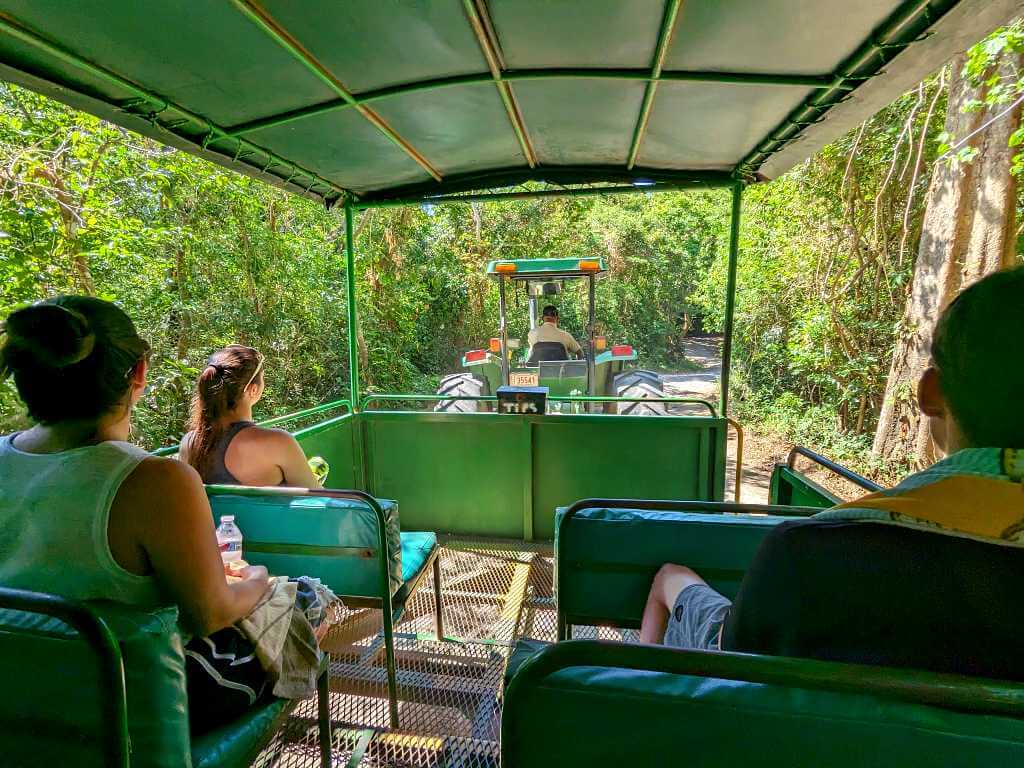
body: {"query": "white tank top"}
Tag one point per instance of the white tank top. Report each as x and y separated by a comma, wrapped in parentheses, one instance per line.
(54, 509)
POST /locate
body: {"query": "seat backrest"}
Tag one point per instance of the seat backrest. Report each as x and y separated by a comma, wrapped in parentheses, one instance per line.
(606, 558)
(574, 705)
(50, 710)
(335, 540)
(546, 351)
(873, 593)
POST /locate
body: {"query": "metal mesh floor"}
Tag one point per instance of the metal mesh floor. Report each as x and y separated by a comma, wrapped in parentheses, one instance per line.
(493, 593)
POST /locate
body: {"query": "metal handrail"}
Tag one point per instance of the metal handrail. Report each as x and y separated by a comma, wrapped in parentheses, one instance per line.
(964, 694)
(382, 541)
(334, 404)
(839, 469)
(102, 642)
(555, 398)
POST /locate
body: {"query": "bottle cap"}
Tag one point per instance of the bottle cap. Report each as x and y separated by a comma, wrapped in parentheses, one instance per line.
(227, 518)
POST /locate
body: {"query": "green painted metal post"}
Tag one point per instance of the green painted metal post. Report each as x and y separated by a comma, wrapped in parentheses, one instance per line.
(353, 320)
(730, 294)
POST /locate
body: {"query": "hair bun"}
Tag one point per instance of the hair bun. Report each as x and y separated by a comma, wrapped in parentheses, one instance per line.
(55, 335)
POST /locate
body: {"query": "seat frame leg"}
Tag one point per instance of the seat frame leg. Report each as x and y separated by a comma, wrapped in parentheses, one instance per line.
(438, 618)
(323, 706)
(389, 660)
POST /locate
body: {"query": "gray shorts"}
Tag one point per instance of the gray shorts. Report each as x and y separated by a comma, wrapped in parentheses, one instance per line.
(697, 618)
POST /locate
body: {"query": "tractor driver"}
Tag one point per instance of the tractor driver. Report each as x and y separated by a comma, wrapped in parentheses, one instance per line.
(548, 330)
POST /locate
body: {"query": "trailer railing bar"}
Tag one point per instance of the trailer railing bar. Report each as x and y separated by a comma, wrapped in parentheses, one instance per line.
(555, 398)
(317, 409)
(839, 469)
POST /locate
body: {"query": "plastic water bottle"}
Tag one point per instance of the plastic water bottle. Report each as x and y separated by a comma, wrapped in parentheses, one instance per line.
(229, 539)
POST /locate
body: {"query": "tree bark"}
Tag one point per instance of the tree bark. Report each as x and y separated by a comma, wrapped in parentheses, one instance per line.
(968, 232)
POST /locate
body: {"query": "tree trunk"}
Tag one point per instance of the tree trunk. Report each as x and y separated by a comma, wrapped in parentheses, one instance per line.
(967, 233)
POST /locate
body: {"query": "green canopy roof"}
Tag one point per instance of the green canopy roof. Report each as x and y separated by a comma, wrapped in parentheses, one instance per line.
(528, 269)
(405, 99)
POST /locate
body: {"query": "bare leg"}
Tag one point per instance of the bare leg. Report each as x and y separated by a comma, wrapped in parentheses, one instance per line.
(668, 583)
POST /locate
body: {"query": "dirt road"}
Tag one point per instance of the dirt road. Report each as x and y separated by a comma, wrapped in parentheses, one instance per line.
(706, 351)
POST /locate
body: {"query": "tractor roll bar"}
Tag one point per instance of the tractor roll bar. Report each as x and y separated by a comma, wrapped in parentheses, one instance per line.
(839, 469)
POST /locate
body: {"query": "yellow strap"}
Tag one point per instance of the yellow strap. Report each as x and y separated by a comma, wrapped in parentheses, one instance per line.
(978, 506)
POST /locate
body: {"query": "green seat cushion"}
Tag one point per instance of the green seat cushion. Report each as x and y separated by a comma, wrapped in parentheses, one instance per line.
(278, 532)
(603, 715)
(234, 745)
(417, 547)
(50, 712)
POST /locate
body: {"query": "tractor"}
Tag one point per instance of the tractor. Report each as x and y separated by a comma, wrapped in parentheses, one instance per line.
(602, 371)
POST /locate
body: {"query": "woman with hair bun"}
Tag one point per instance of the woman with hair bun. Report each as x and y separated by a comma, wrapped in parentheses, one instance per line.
(224, 445)
(85, 514)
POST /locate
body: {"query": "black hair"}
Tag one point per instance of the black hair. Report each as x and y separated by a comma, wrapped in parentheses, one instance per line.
(980, 365)
(550, 311)
(221, 384)
(71, 357)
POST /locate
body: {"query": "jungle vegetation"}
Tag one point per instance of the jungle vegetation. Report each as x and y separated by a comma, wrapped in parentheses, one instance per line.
(828, 290)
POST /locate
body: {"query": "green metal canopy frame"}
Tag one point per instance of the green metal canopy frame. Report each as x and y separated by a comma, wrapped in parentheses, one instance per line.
(400, 100)
(396, 102)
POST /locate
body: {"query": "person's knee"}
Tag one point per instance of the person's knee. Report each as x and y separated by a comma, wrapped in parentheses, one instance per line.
(671, 579)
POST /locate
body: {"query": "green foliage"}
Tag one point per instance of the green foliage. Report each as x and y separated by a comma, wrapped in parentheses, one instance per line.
(826, 253)
(201, 257)
(992, 65)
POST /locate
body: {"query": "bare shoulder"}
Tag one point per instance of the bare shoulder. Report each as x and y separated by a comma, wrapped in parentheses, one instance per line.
(269, 436)
(155, 476)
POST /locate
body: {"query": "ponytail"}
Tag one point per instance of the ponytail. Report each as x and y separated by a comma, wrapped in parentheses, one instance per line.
(221, 384)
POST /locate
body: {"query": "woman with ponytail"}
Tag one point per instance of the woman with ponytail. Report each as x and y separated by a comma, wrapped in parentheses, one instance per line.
(224, 445)
(85, 514)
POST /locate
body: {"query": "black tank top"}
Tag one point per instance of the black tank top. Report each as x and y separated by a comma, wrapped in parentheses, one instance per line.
(217, 472)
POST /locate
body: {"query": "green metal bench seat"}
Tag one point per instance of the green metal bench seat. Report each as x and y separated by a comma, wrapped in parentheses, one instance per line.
(348, 539)
(607, 552)
(582, 703)
(101, 684)
(585, 703)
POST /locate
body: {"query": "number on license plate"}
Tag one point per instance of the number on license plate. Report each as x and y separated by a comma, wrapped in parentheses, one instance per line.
(523, 379)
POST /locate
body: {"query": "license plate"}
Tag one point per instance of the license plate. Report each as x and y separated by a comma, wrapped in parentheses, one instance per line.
(528, 379)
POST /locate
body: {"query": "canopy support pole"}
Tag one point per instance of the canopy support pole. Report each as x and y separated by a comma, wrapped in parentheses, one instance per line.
(730, 295)
(353, 320)
(503, 329)
(591, 361)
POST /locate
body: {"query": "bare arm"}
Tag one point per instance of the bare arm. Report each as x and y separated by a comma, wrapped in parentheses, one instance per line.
(166, 505)
(292, 461)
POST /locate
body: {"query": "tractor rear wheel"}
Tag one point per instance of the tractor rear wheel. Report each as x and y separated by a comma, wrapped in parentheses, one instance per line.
(461, 384)
(644, 385)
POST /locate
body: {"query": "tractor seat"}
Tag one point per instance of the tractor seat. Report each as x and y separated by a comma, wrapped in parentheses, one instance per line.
(547, 351)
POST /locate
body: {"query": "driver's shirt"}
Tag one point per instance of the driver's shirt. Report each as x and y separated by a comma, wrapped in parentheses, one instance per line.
(550, 332)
